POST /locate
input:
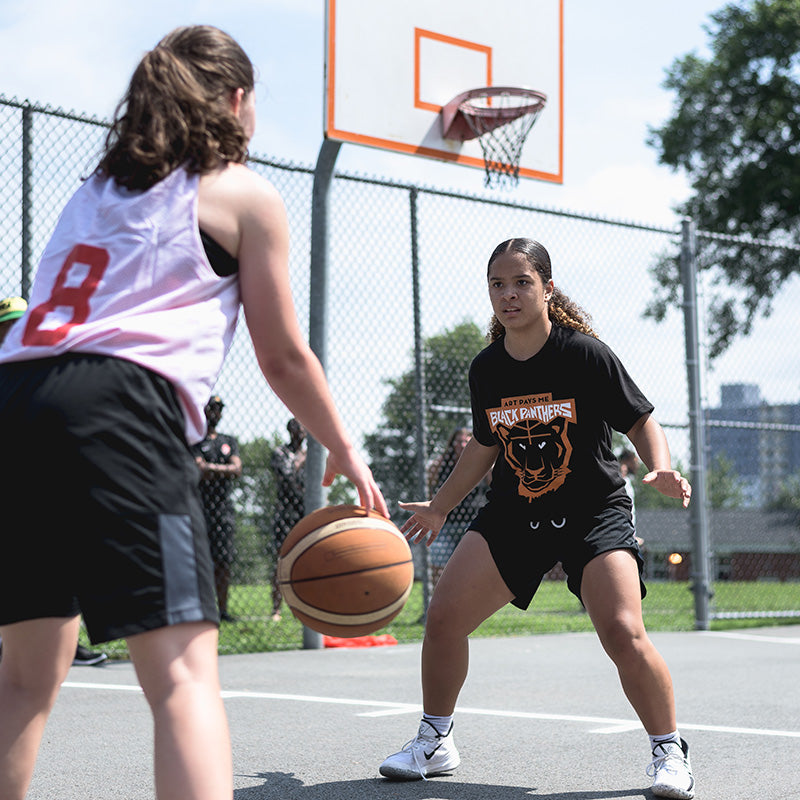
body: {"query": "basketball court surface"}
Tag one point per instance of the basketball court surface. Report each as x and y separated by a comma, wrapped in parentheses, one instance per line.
(539, 717)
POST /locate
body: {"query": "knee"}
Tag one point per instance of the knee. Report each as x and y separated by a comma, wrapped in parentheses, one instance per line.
(624, 641)
(38, 687)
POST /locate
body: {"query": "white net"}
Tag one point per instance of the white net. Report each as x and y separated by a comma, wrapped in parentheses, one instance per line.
(502, 123)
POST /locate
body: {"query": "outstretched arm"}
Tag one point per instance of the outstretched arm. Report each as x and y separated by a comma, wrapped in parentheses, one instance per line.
(470, 469)
(647, 436)
(250, 220)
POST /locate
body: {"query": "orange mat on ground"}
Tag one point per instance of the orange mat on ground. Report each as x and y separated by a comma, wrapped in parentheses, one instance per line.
(359, 641)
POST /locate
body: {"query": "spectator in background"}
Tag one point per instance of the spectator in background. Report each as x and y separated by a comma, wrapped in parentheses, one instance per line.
(459, 518)
(11, 309)
(220, 464)
(288, 465)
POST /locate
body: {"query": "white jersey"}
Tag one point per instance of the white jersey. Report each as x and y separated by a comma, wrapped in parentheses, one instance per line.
(125, 275)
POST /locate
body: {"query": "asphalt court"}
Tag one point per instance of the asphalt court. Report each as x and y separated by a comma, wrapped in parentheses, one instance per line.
(539, 717)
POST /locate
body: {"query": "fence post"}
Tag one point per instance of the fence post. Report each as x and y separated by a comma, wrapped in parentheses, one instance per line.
(314, 497)
(419, 386)
(27, 200)
(698, 508)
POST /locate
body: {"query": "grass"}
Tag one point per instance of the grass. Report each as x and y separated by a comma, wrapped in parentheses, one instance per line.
(669, 606)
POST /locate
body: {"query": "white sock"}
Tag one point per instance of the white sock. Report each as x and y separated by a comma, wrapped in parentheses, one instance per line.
(666, 738)
(442, 724)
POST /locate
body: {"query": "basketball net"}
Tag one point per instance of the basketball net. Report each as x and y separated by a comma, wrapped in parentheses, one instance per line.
(501, 144)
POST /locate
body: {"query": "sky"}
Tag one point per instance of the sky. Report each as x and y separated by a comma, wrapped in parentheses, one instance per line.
(79, 54)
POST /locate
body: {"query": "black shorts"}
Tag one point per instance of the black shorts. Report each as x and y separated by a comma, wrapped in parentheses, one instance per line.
(101, 511)
(525, 546)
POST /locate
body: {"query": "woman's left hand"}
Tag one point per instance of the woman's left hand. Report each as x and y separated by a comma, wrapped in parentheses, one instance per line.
(670, 483)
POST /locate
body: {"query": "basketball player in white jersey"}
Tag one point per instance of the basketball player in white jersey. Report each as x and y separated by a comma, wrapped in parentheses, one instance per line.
(102, 387)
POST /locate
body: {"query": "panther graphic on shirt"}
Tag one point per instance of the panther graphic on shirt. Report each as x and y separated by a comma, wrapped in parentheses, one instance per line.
(534, 432)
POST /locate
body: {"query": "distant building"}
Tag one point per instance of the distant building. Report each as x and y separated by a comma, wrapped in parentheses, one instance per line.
(760, 441)
(746, 545)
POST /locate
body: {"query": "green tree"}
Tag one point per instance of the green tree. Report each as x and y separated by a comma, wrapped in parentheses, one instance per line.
(391, 449)
(787, 497)
(724, 485)
(254, 501)
(735, 131)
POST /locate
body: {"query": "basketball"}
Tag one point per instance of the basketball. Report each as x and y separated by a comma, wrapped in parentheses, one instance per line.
(345, 572)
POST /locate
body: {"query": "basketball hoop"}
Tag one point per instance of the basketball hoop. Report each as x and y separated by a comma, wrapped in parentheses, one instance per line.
(500, 118)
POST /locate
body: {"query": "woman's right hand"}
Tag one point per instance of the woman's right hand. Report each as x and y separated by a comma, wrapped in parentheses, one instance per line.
(353, 467)
(424, 521)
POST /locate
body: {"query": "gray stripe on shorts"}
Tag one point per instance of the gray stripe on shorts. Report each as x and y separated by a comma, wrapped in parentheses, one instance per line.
(181, 588)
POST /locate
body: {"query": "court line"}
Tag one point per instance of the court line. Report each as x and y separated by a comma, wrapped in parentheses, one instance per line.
(753, 637)
(607, 724)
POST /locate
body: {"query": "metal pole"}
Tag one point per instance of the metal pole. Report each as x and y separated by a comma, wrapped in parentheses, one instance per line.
(27, 200)
(315, 495)
(419, 385)
(698, 508)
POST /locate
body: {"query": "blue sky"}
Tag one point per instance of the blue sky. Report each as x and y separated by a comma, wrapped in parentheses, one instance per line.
(79, 55)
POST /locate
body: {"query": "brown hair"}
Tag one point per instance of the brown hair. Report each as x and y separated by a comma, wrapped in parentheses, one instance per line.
(561, 310)
(177, 109)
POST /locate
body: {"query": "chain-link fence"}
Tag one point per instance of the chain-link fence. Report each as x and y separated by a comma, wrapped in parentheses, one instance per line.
(407, 311)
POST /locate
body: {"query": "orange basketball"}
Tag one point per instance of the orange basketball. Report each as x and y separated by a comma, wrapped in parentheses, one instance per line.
(345, 572)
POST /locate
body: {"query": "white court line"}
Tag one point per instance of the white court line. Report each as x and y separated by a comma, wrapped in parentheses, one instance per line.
(609, 724)
(753, 637)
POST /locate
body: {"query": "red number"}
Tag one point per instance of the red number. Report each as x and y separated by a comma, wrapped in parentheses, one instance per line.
(74, 297)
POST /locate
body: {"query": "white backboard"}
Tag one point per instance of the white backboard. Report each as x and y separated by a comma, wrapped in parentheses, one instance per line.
(392, 66)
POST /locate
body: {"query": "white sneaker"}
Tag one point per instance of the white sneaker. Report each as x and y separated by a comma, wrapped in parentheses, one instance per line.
(428, 753)
(671, 771)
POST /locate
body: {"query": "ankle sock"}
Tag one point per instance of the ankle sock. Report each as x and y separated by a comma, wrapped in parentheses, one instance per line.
(442, 724)
(667, 738)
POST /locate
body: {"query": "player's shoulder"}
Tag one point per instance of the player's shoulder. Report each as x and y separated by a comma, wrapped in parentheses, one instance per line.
(241, 186)
(572, 339)
(489, 354)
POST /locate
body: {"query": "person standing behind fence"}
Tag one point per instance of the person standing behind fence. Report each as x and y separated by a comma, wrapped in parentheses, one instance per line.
(459, 518)
(220, 464)
(288, 464)
(11, 309)
(103, 383)
(545, 394)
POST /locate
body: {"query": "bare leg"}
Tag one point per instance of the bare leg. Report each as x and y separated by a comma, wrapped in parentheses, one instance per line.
(177, 668)
(469, 591)
(611, 594)
(37, 655)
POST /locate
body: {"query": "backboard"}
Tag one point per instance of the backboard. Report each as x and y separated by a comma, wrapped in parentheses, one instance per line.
(392, 67)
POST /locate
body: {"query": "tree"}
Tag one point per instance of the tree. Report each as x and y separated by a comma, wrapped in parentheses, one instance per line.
(735, 130)
(254, 498)
(787, 497)
(392, 449)
(724, 485)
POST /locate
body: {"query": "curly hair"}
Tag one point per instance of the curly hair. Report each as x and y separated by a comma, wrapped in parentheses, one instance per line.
(561, 310)
(177, 112)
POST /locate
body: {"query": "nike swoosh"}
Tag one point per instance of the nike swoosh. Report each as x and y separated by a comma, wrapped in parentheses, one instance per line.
(430, 755)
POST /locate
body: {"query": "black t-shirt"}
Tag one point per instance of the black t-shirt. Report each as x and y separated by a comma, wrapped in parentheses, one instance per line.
(216, 492)
(551, 416)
